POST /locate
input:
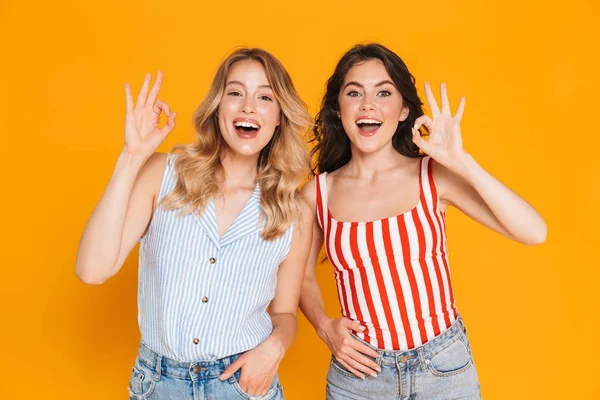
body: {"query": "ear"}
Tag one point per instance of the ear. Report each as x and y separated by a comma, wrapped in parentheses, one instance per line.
(279, 119)
(404, 113)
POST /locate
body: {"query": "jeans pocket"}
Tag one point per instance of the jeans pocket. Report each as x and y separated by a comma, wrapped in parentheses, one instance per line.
(141, 383)
(335, 364)
(271, 393)
(452, 360)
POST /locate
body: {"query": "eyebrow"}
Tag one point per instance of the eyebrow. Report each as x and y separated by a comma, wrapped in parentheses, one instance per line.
(362, 87)
(241, 84)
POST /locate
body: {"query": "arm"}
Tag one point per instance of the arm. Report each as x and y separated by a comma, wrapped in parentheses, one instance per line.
(125, 208)
(334, 332)
(260, 364)
(464, 184)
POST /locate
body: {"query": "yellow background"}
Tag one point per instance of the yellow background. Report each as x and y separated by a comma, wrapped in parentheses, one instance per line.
(529, 70)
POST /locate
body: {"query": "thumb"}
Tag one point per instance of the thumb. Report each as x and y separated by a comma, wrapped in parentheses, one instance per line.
(229, 371)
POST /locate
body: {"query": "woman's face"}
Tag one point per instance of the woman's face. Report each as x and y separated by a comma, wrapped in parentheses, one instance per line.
(370, 106)
(248, 112)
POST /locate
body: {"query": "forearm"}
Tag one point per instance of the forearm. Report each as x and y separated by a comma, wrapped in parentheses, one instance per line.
(285, 328)
(311, 304)
(101, 239)
(515, 214)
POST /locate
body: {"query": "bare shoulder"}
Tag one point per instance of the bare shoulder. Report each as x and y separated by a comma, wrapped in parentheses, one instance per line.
(155, 165)
(150, 177)
(309, 194)
(446, 181)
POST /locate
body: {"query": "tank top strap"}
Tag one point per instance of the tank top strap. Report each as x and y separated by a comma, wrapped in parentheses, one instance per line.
(322, 208)
(429, 193)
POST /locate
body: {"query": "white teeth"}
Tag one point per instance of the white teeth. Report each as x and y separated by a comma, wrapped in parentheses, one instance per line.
(368, 121)
(246, 125)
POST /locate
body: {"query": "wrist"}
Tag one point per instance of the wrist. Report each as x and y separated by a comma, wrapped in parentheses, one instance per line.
(278, 345)
(322, 326)
(463, 165)
(131, 159)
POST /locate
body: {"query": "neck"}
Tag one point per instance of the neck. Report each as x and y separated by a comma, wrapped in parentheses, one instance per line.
(240, 170)
(368, 165)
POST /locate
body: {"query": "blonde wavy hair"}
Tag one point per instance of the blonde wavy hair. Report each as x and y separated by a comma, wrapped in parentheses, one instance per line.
(281, 163)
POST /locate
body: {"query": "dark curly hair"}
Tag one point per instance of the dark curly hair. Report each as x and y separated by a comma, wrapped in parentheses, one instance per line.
(332, 145)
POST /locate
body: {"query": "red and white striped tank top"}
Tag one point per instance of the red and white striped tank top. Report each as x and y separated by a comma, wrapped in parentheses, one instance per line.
(392, 274)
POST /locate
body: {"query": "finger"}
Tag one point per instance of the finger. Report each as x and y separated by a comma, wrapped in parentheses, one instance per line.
(355, 326)
(155, 89)
(349, 324)
(128, 98)
(258, 390)
(435, 111)
(419, 141)
(141, 100)
(169, 126)
(251, 389)
(363, 369)
(229, 371)
(245, 383)
(363, 348)
(423, 120)
(366, 362)
(349, 368)
(445, 101)
(161, 106)
(461, 109)
(261, 388)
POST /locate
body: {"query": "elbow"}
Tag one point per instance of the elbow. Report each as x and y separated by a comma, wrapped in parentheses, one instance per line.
(538, 237)
(89, 278)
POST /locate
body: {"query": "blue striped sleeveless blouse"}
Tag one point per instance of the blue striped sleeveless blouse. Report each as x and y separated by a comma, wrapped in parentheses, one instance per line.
(201, 297)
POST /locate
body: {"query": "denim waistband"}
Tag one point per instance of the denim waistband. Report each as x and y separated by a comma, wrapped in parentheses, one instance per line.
(183, 370)
(422, 353)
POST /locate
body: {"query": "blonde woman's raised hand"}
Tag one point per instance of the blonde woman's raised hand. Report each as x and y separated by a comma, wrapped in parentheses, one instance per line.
(143, 134)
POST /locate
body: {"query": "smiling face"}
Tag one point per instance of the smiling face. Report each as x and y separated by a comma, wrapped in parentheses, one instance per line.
(370, 106)
(248, 112)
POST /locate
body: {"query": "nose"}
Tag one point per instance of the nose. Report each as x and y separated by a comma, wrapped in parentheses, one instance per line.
(248, 107)
(367, 103)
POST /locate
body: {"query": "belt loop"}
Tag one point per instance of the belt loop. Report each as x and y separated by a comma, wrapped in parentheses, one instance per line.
(158, 368)
(379, 358)
(422, 360)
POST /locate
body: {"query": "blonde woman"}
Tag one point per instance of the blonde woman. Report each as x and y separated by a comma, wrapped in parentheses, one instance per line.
(223, 233)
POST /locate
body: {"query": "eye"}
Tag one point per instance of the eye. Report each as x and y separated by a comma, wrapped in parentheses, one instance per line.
(353, 93)
(265, 98)
(385, 93)
(234, 93)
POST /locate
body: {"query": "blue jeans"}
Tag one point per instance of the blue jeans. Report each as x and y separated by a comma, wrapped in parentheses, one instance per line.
(159, 378)
(441, 369)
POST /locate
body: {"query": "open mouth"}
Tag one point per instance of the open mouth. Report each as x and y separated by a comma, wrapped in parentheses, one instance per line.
(368, 126)
(246, 128)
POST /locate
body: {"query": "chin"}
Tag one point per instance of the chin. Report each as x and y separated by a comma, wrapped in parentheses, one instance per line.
(367, 145)
(245, 151)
